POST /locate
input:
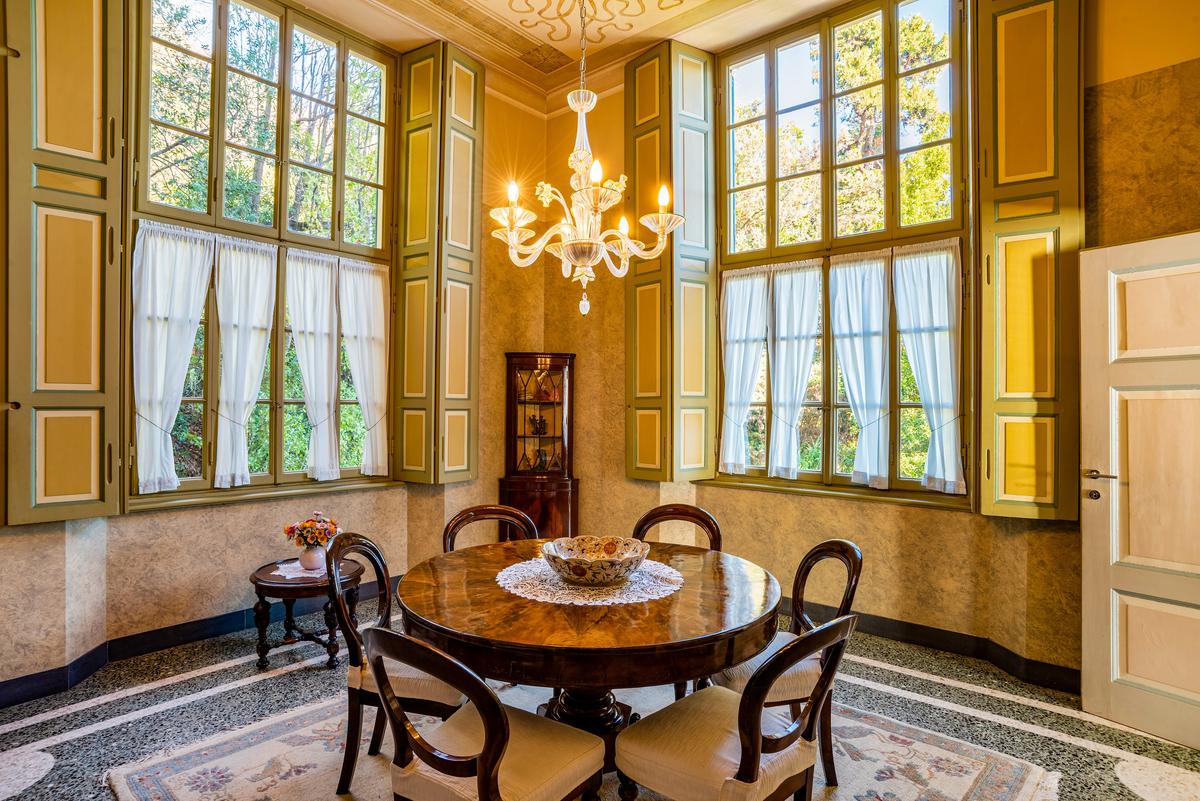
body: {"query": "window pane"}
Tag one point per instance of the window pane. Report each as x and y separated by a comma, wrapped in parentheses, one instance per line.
(756, 437)
(293, 385)
(860, 198)
(859, 122)
(361, 217)
(310, 202)
(364, 150)
(748, 89)
(314, 66)
(250, 112)
(908, 381)
(760, 383)
(264, 389)
(180, 88)
(295, 437)
(187, 440)
(798, 67)
(178, 169)
(799, 210)
(187, 23)
(914, 443)
(249, 187)
(847, 441)
(858, 52)
(193, 380)
(749, 211)
(345, 379)
(811, 435)
(748, 145)
(816, 377)
(253, 42)
(798, 141)
(351, 431)
(312, 133)
(925, 190)
(258, 436)
(364, 83)
(925, 107)
(924, 35)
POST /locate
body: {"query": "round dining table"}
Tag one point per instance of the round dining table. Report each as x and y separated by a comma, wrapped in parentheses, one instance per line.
(724, 613)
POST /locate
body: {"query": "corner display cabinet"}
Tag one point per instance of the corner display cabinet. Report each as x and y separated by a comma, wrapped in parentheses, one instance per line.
(539, 441)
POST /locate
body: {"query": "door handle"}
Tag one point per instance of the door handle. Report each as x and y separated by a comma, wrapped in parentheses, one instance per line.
(1093, 473)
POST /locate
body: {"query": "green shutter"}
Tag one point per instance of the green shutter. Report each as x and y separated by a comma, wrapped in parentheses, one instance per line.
(437, 296)
(65, 253)
(1031, 229)
(671, 302)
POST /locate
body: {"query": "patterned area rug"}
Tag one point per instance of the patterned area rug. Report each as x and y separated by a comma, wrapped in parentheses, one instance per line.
(297, 756)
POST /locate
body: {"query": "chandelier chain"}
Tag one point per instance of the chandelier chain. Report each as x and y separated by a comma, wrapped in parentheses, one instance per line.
(582, 44)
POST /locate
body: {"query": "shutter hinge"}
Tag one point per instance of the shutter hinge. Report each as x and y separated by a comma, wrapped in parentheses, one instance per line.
(137, 171)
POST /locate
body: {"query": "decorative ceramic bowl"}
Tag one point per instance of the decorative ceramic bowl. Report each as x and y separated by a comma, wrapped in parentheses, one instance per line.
(595, 561)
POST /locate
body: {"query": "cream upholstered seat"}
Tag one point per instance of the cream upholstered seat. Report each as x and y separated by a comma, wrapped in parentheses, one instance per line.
(544, 761)
(407, 682)
(794, 685)
(690, 751)
(717, 745)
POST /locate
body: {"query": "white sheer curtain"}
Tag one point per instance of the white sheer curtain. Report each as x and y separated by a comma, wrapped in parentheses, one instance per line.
(926, 278)
(795, 323)
(858, 304)
(743, 334)
(245, 308)
(171, 271)
(364, 298)
(312, 309)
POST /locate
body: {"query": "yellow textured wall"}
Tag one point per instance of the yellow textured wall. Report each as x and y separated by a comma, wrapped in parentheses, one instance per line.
(1123, 38)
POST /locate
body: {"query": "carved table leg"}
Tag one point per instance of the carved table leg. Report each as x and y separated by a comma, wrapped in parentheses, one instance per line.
(595, 711)
(332, 646)
(289, 621)
(352, 604)
(262, 616)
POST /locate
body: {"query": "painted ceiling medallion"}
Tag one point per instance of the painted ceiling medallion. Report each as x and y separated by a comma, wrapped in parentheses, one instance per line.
(582, 241)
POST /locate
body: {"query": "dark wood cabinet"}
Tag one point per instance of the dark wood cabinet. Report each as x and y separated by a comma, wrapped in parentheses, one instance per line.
(538, 442)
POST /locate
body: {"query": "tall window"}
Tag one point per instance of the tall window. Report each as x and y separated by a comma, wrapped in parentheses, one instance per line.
(842, 148)
(262, 123)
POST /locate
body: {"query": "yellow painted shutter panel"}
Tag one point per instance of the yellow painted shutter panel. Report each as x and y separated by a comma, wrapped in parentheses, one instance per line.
(65, 256)
(1031, 226)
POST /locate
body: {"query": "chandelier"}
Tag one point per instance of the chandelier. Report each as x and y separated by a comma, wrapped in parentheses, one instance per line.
(579, 241)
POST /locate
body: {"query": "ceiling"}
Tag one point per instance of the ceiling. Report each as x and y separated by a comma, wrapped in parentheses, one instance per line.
(537, 41)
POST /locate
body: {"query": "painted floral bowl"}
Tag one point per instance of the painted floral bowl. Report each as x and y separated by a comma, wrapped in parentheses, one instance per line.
(595, 561)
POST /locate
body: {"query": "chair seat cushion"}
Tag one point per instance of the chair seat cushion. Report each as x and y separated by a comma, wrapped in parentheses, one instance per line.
(407, 682)
(544, 761)
(794, 685)
(690, 750)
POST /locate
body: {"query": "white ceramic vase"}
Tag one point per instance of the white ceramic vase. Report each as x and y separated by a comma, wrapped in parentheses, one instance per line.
(313, 558)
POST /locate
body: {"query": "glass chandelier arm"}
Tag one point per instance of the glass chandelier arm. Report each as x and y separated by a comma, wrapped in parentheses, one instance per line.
(618, 272)
(548, 194)
(537, 246)
(653, 253)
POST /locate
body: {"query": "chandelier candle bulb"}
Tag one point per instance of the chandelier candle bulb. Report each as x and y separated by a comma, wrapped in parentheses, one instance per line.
(597, 173)
(664, 199)
(514, 192)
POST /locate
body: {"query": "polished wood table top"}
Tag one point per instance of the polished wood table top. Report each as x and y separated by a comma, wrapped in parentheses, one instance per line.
(724, 613)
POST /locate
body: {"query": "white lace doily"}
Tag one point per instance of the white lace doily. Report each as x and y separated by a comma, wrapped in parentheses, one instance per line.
(537, 581)
(291, 570)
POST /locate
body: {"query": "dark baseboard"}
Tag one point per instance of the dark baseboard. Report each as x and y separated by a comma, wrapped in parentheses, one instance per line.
(47, 682)
(1043, 674)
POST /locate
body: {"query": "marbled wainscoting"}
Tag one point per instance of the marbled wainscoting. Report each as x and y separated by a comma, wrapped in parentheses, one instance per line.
(1142, 155)
(33, 622)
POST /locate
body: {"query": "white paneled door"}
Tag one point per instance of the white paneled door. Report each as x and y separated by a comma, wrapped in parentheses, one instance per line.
(1140, 456)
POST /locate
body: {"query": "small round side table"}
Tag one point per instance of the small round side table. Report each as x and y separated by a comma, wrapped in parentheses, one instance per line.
(268, 585)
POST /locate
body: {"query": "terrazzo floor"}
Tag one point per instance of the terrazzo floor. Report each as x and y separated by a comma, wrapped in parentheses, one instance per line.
(59, 748)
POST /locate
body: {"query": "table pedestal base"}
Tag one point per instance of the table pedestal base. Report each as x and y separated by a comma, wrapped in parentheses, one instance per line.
(595, 711)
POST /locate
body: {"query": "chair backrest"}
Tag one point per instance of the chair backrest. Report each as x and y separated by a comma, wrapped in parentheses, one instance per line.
(680, 511)
(845, 552)
(514, 524)
(830, 639)
(340, 547)
(387, 644)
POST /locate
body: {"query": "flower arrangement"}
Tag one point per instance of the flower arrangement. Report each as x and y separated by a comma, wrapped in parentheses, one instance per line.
(316, 531)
